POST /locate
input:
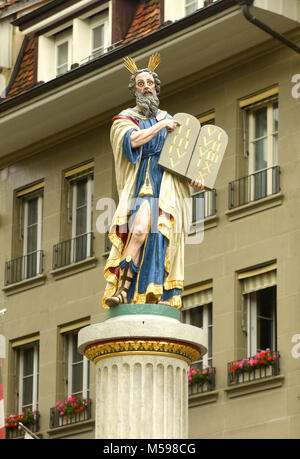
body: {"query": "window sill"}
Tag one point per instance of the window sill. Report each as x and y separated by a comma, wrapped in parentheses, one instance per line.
(256, 206)
(74, 268)
(72, 429)
(25, 284)
(239, 390)
(209, 222)
(203, 399)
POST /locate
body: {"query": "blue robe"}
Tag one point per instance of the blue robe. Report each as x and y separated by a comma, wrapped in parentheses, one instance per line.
(151, 267)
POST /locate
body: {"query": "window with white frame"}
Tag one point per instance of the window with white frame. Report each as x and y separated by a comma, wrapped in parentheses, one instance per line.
(63, 51)
(78, 368)
(99, 34)
(259, 314)
(261, 121)
(193, 5)
(28, 375)
(82, 215)
(198, 311)
(30, 220)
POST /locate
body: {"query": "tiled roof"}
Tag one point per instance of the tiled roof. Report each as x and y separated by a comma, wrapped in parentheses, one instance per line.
(26, 73)
(147, 19)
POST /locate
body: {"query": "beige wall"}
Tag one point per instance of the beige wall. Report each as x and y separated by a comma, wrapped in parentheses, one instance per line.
(270, 234)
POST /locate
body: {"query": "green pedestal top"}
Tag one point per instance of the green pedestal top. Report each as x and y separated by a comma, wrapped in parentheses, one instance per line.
(137, 309)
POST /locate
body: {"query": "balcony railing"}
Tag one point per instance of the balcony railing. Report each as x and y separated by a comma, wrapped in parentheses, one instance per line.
(25, 267)
(77, 249)
(58, 420)
(206, 385)
(263, 365)
(16, 431)
(204, 205)
(254, 187)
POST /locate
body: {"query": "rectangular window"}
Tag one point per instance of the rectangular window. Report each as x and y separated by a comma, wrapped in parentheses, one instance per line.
(261, 323)
(77, 217)
(198, 311)
(63, 50)
(78, 368)
(99, 34)
(260, 118)
(259, 303)
(193, 5)
(28, 375)
(27, 235)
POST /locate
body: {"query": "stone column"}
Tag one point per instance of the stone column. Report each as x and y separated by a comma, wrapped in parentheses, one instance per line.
(142, 355)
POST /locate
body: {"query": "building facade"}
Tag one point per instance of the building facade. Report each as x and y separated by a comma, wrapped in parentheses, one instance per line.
(57, 173)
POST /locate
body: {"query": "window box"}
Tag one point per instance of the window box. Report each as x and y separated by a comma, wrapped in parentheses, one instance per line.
(264, 364)
(201, 380)
(30, 419)
(72, 411)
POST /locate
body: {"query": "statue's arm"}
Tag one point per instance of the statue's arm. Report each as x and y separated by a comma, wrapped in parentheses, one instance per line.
(142, 136)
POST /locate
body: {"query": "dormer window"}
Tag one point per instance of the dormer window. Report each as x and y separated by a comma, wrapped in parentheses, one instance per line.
(193, 5)
(99, 31)
(63, 44)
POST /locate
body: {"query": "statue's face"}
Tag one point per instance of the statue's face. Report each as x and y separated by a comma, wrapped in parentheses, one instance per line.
(144, 83)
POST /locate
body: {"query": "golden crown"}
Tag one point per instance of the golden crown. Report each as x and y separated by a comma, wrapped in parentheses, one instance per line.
(153, 63)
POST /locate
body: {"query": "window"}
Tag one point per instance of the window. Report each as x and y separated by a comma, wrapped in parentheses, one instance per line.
(193, 5)
(261, 325)
(82, 198)
(259, 314)
(198, 311)
(77, 217)
(28, 374)
(27, 235)
(78, 368)
(63, 42)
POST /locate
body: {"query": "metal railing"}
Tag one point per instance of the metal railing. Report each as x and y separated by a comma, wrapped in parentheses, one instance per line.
(77, 249)
(253, 368)
(58, 420)
(204, 205)
(254, 187)
(24, 267)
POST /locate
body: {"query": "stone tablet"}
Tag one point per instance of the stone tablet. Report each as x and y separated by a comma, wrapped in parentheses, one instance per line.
(179, 145)
(193, 152)
(207, 155)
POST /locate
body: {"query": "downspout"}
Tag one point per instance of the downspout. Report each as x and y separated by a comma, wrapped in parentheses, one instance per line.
(245, 4)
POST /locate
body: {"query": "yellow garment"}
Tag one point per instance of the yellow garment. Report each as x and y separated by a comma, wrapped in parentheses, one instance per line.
(172, 200)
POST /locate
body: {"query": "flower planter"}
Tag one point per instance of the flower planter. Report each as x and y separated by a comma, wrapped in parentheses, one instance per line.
(263, 365)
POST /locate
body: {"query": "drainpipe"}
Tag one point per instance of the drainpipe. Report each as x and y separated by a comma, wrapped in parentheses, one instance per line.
(245, 4)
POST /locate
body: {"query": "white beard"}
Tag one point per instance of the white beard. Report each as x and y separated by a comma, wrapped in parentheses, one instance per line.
(149, 103)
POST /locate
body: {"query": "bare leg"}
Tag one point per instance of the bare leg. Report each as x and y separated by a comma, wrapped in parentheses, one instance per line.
(139, 233)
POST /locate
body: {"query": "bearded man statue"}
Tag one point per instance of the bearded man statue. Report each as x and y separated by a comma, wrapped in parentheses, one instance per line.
(146, 261)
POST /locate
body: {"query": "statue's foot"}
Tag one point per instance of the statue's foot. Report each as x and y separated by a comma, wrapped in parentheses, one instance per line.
(117, 299)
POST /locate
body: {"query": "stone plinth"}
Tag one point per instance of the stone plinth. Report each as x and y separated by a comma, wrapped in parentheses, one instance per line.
(142, 355)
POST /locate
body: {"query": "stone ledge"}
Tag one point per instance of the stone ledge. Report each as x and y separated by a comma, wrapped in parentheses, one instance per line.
(203, 399)
(255, 206)
(25, 284)
(74, 268)
(71, 429)
(239, 390)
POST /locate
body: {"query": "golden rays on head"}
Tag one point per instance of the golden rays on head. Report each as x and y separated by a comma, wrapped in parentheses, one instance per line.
(153, 63)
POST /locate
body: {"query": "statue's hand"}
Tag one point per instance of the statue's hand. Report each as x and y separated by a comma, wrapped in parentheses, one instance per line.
(197, 184)
(170, 125)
